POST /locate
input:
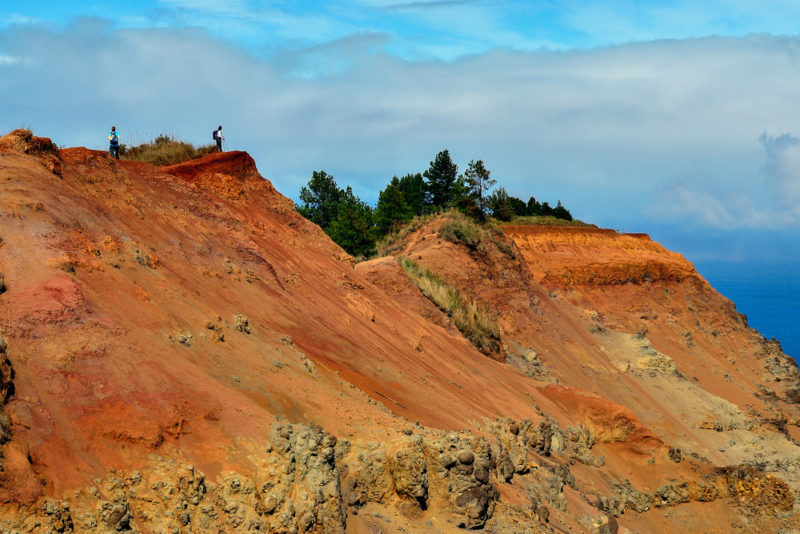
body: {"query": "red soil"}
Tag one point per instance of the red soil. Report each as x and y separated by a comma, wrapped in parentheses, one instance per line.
(125, 280)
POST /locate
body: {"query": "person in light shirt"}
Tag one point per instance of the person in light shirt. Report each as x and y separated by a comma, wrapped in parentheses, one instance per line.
(218, 137)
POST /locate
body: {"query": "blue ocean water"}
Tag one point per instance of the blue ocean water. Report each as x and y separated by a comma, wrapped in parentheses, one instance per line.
(769, 294)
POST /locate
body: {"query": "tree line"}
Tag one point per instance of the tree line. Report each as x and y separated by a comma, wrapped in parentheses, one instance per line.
(356, 226)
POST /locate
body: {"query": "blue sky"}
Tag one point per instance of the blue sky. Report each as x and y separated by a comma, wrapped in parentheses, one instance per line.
(429, 29)
(675, 118)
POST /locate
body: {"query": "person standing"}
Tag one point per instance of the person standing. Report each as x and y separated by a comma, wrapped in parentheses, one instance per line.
(218, 137)
(113, 142)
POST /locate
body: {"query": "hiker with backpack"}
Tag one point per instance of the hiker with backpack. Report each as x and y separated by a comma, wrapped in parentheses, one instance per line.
(218, 137)
(113, 142)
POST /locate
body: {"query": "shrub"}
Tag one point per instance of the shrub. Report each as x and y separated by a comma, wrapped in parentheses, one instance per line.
(461, 229)
(164, 150)
(476, 323)
(504, 247)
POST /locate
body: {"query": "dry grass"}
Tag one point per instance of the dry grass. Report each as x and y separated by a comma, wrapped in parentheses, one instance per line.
(396, 239)
(544, 220)
(164, 150)
(461, 229)
(476, 323)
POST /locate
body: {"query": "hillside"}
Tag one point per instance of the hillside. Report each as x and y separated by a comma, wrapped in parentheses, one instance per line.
(183, 352)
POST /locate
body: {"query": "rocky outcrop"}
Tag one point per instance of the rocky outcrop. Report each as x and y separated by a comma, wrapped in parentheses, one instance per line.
(454, 474)
(303, 492)
(43, 149)
(303, 481)
(6, 391)
(754, 490)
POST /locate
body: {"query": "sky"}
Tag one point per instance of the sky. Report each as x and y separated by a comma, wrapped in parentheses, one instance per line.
(671, 117)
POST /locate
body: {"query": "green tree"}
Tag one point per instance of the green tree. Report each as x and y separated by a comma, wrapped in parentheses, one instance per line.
(413, 188)
(342, 215)
(500, 205)
(441, 176)
(392, 208)
(478, 182)
(321, 199)
(352, 228)
(465, 201)
(518, 206)
(561, 212)
(534, 208)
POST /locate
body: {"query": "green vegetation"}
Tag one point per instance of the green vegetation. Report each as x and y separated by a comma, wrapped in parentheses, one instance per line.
(340, 213)
(459, 228)
(476, 323)
(547, 220)
(505, 207)
(441, 175)
(164, 150)
(477, 181)
(361, 230)
(395, 240)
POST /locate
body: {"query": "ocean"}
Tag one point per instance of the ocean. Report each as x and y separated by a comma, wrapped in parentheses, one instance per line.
(768, 294)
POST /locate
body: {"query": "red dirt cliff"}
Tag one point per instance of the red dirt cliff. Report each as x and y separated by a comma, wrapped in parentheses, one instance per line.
(182, 350)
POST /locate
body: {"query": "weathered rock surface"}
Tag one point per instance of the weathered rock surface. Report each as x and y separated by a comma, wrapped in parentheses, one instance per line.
(6, 391)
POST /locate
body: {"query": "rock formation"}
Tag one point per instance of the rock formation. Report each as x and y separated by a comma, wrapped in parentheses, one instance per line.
(180, 351)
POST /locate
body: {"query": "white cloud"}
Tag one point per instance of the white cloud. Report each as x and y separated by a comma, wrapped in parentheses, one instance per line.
(782, 169)
(16, 18)
(774, 202)
(420, 4)
(227, 8)
(606, 131)
(730, 210)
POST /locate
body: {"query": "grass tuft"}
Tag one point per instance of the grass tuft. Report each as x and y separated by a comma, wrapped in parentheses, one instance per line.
(396, 239)
(164, 150)
(545, 220)
(476, 323)
(461, 229)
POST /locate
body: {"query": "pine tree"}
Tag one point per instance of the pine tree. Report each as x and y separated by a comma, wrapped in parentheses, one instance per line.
(441, 176)
(342, 215)
(501, 205)
(561, 212)
(478, 181)
(352, 229)
(534, 208)
(321, 199)
(392, 208)
(413, 188)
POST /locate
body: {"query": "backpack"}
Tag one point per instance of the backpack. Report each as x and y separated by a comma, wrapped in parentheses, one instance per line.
(214, 135)
(114, 139)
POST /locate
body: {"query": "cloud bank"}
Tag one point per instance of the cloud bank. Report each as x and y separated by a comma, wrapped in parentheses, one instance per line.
(624, 135)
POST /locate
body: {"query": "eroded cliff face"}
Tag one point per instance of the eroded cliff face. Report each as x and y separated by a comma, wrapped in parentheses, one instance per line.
(182, 352)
